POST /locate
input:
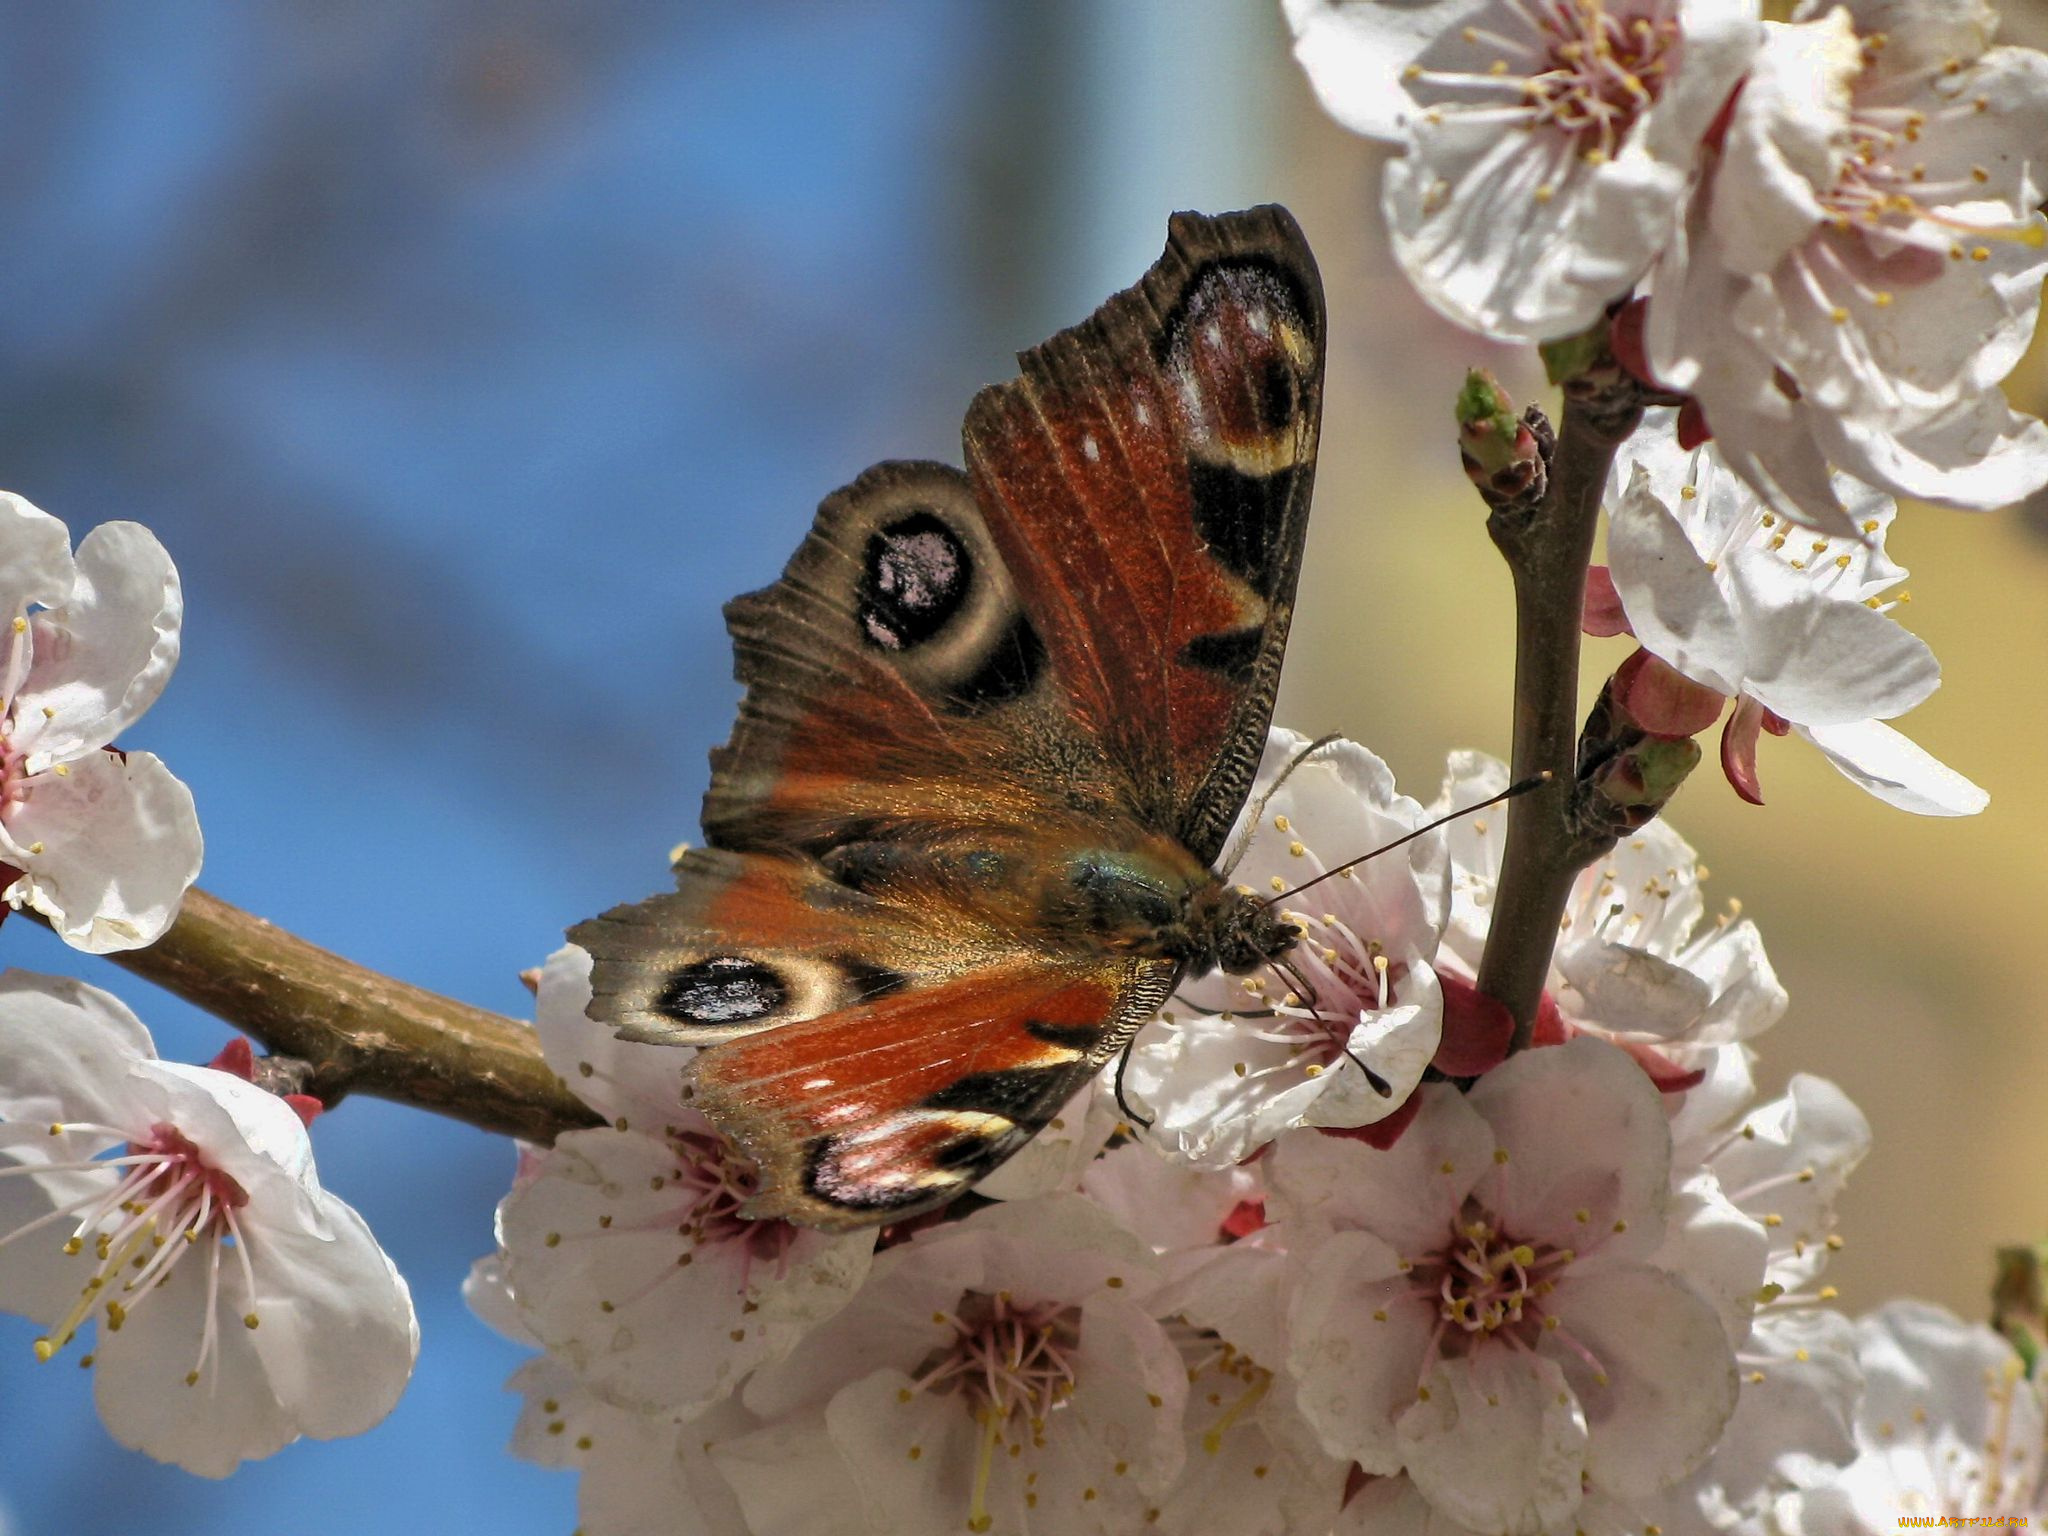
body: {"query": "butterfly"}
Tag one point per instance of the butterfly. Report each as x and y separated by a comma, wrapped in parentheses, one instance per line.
(997, 727)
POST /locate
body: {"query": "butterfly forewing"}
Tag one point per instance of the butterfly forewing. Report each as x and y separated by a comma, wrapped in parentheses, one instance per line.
(1148, 479)
(963, 686)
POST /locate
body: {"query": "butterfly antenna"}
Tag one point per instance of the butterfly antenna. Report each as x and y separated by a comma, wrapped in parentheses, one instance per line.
(1522, 788)
(1300, 983)
(1258, 810)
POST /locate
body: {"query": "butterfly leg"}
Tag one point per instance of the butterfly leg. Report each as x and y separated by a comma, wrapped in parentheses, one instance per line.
(1123, 1104)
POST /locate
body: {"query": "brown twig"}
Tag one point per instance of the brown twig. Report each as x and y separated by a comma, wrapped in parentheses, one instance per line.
(357, 1031)
(1547, 541)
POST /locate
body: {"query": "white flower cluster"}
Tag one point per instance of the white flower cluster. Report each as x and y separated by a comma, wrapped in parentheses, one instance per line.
(1583, 1295)
(174, 1210)
(102, 843)
(1835, 218)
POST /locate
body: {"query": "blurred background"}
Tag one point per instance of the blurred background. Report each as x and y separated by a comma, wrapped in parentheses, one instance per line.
(467, 354)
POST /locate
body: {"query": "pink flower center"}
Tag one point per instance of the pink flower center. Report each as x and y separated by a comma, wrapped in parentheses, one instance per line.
(1484, 1283)
(1574, 67)
(715, 1183)
(166, 1200)
(1605, 71)
(1013, 1364)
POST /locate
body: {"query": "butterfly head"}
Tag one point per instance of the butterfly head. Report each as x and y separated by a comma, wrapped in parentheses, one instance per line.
(1234, 931)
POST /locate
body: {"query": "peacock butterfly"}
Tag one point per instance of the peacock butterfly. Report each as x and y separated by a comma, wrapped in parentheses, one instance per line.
(996, 729)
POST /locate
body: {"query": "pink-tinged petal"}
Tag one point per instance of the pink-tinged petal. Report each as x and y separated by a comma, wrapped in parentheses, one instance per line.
(1652, 1368)
(103, 656)
(246, 1132)
(1408, 1195)
(65, 1051)
(230, 1415)
(1738, 748)
(1240, 1293)
(1602, 612)
(1381, 1134)
(1163, 1201)
(120, 846)
(1498, 1444)
(606, 1272)
(1627, 988)
(1780, 153)
(791, 1478)
(1583, 1130)
(38, 1279)
(1359, 1342)
(1674, 603)
(1873, 756)
(642, 1474)
(488, 1293)
(1393, 1506)
(35, 561)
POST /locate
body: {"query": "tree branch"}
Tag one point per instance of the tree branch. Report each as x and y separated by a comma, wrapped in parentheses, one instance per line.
(1547, 542)
(357, 1031)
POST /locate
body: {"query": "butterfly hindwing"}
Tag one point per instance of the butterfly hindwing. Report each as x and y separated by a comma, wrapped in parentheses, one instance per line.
(893, 1107)
(874, 1058)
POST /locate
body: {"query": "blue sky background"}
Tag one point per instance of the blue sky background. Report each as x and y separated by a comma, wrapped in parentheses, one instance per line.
(466, 356)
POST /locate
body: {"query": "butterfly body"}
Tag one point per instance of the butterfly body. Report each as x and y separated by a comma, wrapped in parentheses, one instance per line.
(997, 727)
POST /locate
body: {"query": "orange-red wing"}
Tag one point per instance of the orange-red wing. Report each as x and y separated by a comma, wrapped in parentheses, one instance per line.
(882, 1110)
(1147, 482)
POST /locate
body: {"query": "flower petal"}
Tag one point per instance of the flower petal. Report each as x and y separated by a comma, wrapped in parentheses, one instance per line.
(1674, 603)
(1871, 754)
(1408, 1195)
(35, 559)
(121, 847)
(1665, 1380)
(1583, 1132)
(65, 1051)
(1498, 1444)
(337, 1335)
(230, 1415)
(1358, 1341)
(103, 656)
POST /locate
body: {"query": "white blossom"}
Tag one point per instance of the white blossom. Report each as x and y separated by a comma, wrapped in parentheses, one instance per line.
(639, 1473)
(623, 1246)
(1797, 627)
(1293, 1045)
(1864, 263)
(1485, 1311)
(237, 1305)
(1550, 143)
(1637, 959)
(102, 843)
(994, 1374)
(1949, 1425)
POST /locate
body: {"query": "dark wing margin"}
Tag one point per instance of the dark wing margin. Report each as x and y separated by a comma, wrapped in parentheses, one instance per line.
(1147, 481)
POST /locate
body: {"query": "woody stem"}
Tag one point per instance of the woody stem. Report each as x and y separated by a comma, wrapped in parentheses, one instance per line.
(1547, 541)
(353, 1030)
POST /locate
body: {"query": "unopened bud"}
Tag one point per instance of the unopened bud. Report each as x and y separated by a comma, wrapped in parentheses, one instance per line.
(1646, 775)
(1501, 452)
(2019, 1302)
